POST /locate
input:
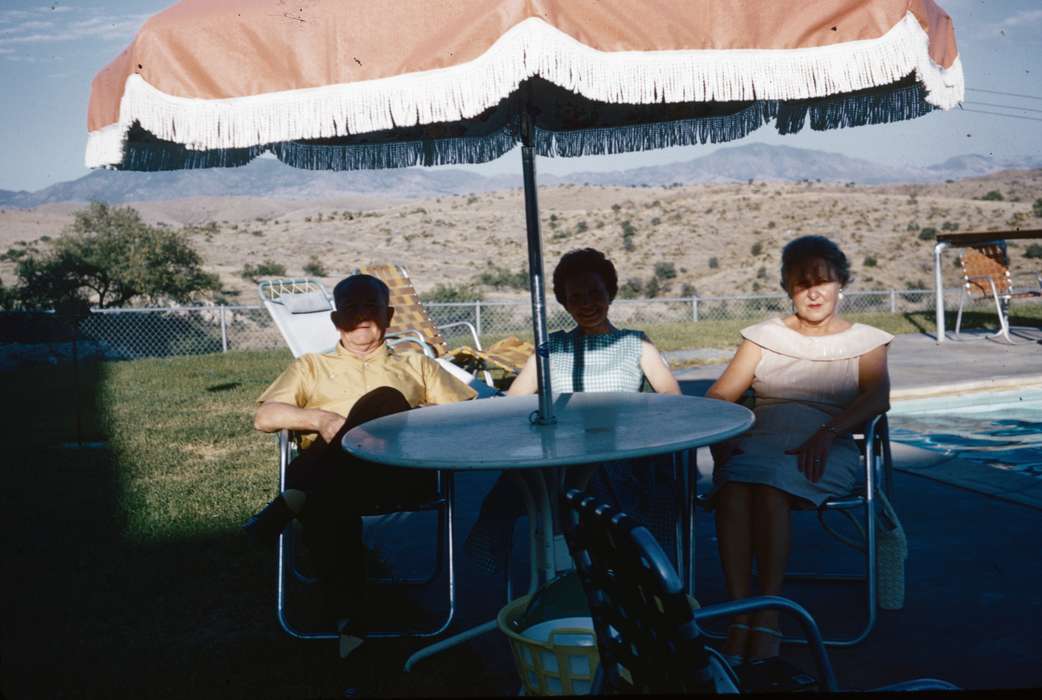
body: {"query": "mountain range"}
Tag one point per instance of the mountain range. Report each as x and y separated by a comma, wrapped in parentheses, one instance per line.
(266, 177)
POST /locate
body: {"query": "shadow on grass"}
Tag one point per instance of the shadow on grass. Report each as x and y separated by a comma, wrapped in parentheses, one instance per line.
(91, 610)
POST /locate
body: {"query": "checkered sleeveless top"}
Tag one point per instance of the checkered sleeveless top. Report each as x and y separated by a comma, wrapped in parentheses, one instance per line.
(605, 362)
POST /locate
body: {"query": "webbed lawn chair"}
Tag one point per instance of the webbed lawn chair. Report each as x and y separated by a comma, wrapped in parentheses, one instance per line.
(300, 309)
(986, 274)
(874, 442)
(649, 640)
(410, 317)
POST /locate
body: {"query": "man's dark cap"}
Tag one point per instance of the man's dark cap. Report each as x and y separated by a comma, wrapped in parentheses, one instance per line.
(343, 290)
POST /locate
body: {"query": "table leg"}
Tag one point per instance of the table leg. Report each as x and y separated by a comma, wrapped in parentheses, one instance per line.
(448, 643)
(543, 567)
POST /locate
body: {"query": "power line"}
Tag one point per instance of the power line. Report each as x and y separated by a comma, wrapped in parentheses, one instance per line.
(990, 104)
(1000, 114)
(1007, 94)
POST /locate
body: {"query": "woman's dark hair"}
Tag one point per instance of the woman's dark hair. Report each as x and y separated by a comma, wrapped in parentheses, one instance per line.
(580, 262)
(800, 251)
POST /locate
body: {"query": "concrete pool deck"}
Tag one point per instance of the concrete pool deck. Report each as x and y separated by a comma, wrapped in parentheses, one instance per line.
(920, 368)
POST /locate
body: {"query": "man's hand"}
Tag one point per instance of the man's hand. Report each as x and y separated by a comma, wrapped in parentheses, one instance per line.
(723, 451)
(329, 424)
(813, 455)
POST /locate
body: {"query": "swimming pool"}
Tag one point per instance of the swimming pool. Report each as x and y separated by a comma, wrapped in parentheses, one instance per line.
(1000, 429)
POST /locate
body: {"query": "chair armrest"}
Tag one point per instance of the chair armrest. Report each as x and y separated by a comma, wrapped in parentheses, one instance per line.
(410, 335)
(470, 327)
(770, 602)
(917, 684)
(1035, 276)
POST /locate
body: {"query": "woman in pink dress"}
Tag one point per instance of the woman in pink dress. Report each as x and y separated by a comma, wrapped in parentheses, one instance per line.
(816, 377)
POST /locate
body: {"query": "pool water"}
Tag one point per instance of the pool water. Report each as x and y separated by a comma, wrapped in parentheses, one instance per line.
(1000, 429)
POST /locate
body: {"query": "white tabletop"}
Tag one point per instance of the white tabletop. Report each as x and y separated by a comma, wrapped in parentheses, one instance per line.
(591, 427)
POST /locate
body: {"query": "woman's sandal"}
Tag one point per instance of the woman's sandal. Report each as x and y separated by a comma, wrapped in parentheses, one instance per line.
(770, 632)
(735, 660)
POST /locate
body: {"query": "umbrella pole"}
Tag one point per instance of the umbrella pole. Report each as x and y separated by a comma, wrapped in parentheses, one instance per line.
(545, 414)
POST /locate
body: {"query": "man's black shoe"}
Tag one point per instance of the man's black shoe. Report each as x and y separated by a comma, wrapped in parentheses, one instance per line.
(266, 526)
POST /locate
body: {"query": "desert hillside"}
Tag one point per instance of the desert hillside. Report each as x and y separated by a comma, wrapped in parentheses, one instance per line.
(721, 239)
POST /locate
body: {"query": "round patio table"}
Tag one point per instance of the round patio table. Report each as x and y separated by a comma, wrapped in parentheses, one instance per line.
(497, 434)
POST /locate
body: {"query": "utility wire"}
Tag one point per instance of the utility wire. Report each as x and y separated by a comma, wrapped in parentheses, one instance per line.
(1007, 94)
(1000, 114)
(990, 104)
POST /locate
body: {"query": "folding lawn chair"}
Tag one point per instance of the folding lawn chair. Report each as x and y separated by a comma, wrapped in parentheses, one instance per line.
(649, 639)
(986, 273)
(300, 309)
(874, 442)
(410, 317)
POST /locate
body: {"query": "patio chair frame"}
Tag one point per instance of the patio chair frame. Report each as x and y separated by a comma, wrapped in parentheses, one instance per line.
(287, 561)
(270, 292)
(1000, 289)
(874, 441)
(619, 561)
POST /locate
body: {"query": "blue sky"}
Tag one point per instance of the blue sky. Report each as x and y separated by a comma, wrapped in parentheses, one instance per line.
(49, 52)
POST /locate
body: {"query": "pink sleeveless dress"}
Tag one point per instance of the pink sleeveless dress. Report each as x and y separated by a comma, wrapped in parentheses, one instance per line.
(800, 382)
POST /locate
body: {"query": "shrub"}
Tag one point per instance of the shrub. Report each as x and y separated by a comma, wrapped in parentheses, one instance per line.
(581, 227)
(652, 288)
(713, 263)
(447, 293)
(762, 272)
(993, 196)
(757, 248)
(314, 267)
(665, 270)
(927, 233)
(870, 261)
(1034, 251)
(1037, 207)
(949, 226)
(267, 268)
(499, 278)
(631, 288)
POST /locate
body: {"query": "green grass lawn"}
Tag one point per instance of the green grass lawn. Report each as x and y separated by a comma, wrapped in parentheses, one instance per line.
(126, 574)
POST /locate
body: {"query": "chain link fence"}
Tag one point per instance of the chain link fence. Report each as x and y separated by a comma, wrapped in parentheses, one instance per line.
(162, 332)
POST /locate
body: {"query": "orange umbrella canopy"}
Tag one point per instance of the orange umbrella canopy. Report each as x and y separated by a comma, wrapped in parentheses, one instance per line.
(346, 84)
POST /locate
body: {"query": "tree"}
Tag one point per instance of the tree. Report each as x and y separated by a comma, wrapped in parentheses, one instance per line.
(109, 257)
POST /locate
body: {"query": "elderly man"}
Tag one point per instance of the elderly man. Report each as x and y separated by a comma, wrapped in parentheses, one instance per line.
(328, 490)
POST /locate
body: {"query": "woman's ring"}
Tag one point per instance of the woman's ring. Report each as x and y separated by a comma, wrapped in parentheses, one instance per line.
(817, 460)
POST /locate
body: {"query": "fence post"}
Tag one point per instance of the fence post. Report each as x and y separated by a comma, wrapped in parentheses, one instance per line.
(224, 331)
(477, 316)
(893, 301)
(694, 308)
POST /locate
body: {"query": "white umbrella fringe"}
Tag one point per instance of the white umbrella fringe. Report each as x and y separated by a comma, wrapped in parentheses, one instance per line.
(530, 49)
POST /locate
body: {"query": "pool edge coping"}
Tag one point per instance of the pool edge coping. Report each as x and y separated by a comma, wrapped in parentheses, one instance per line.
(967, 387)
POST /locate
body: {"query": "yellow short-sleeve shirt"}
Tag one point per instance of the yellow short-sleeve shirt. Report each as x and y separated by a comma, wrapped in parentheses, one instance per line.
(334, 381)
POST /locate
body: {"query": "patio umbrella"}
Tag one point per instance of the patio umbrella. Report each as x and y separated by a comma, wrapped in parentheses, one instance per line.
(352, 84)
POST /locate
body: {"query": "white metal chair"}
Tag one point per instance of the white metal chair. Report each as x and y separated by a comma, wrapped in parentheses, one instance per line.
(300, 309)
(874, 442)
(986, 273)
